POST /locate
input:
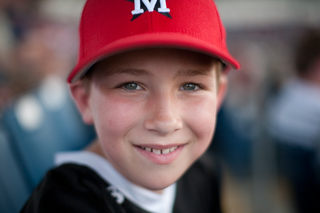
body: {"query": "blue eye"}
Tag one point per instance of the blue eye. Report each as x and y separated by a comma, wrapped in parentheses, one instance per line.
(190, 87)
(131, 86)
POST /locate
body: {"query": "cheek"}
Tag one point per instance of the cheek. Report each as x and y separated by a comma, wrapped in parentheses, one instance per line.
(113, 116)
(201, 119)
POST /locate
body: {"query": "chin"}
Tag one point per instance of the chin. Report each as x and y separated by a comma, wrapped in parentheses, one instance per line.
(159, 187)
(159, 182)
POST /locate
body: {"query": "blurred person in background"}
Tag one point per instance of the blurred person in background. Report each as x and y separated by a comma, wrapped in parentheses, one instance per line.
(294, 124)
(45, 51)
(35, 50)
(16, 18)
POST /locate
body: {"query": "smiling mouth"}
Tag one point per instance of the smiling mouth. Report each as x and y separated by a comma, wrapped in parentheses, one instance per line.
(160, 151)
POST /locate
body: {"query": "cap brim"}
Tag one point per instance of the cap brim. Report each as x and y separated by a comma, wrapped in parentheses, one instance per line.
(163, 40)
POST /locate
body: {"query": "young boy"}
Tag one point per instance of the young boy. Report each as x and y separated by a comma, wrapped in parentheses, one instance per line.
(150, 78)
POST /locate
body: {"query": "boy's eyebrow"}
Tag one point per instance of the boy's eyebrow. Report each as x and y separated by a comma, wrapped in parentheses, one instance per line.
(134, 72)
(194, 72)
(131, 71)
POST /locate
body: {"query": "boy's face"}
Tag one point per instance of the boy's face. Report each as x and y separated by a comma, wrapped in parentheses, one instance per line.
(154, 111)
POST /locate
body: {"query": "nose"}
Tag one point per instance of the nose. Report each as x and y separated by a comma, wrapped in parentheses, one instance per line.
(163, 117)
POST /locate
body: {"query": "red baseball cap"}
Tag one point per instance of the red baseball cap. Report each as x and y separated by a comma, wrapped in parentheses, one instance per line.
(109, 27)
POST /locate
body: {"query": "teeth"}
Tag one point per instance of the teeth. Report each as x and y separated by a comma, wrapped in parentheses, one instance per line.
(173, 148)
(160, 151)
(165, 151)
(156, 151)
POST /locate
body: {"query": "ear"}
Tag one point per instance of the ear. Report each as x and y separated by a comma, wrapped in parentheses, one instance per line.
(222, 89)
(81, 96)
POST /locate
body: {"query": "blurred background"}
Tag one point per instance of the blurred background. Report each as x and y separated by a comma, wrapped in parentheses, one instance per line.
(268, 133)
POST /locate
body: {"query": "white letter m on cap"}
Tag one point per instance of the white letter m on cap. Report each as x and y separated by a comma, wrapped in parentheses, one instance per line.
(150, 6)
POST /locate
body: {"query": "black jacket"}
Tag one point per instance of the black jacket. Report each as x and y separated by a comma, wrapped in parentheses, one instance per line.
(74, 188)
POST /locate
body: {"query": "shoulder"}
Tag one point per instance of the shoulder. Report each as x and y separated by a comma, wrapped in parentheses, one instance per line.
(199, 187)
(70, 188)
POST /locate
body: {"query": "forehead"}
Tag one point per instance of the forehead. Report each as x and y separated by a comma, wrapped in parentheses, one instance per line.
(180, 58)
